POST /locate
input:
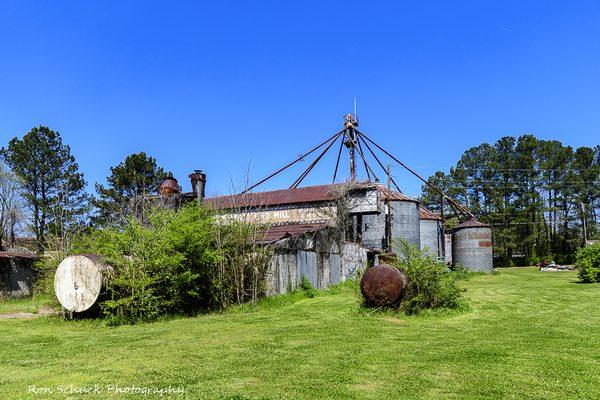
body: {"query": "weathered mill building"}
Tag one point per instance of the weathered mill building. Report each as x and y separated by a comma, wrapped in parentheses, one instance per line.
(375, 217)
(303, 226)
(327, 232)
(301, 221)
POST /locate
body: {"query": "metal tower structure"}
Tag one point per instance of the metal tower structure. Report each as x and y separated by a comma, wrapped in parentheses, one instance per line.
(356, 141)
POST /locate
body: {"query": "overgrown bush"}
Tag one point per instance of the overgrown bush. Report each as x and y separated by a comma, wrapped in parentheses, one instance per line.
(430, 284)
(180, 262)
(588, 263)
(307, 287)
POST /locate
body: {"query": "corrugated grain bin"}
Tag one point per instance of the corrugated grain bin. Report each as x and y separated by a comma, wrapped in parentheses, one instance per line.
(405, 223)
(472, 246)
(431, 232)
(405, 217)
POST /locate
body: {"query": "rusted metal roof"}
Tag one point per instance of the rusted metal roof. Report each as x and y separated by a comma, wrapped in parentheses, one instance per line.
(393, 195)
(307, 194)
(279, 232)
(472, 223)
(14, 254)
(428, 214)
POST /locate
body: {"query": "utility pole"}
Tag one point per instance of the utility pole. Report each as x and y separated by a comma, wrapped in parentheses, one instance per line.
(388, 216)
(584, 224)
(443, 228)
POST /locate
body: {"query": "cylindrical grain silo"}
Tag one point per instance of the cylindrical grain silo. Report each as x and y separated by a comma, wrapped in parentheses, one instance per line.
(472, 246)
(431, 232)
(79, 280)
(405, 223)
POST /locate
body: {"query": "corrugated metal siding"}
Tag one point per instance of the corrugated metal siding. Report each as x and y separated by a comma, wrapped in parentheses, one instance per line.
(307, 266)
(281, 275)
(430, 231)
(472, 248)
(373, 230)
(335, 269)
(322, 269)
(405, 223)
(16, 277)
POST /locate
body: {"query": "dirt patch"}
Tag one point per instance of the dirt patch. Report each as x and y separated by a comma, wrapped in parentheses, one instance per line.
(393, 320)
(24, 315)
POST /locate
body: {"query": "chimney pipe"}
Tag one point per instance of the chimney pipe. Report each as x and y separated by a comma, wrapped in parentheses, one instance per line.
(198, 179)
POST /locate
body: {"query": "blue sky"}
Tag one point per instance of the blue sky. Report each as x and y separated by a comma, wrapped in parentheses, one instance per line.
(231, 86)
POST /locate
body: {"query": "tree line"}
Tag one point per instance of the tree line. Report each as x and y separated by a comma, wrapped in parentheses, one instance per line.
(42, 190)
(541, 197)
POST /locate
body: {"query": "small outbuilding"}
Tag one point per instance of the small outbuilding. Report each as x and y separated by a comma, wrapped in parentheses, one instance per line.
(16, 274)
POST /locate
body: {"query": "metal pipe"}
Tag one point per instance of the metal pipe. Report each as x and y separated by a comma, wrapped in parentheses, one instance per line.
(367, 166)
(380, 164)
(312, 165)
(463, 210)
(388, 216)
(337, 163)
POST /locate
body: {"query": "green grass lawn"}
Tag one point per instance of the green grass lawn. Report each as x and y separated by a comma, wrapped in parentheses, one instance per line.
(528, 335)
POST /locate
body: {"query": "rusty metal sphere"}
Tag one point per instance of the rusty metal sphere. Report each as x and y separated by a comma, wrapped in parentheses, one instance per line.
(382, 285)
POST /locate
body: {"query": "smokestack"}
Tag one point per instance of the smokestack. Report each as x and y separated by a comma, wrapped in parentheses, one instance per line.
(198, 179)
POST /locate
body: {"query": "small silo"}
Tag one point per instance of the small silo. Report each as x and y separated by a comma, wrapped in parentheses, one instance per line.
(431, 232)
(405, 218)
(472, 246)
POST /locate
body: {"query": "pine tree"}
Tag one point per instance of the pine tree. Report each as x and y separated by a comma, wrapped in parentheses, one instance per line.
(53, 186)
(137, 176)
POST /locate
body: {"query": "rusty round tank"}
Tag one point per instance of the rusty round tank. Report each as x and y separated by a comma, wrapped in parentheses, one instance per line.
(383, 285)
(169, 185)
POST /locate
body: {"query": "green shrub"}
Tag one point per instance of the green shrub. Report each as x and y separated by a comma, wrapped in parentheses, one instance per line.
(588, 263)
(430, 285)
(181, 262)
(307, 287)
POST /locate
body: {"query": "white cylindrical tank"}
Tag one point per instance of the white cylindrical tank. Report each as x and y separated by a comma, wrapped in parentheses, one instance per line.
(78, 281)
(472, 246)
